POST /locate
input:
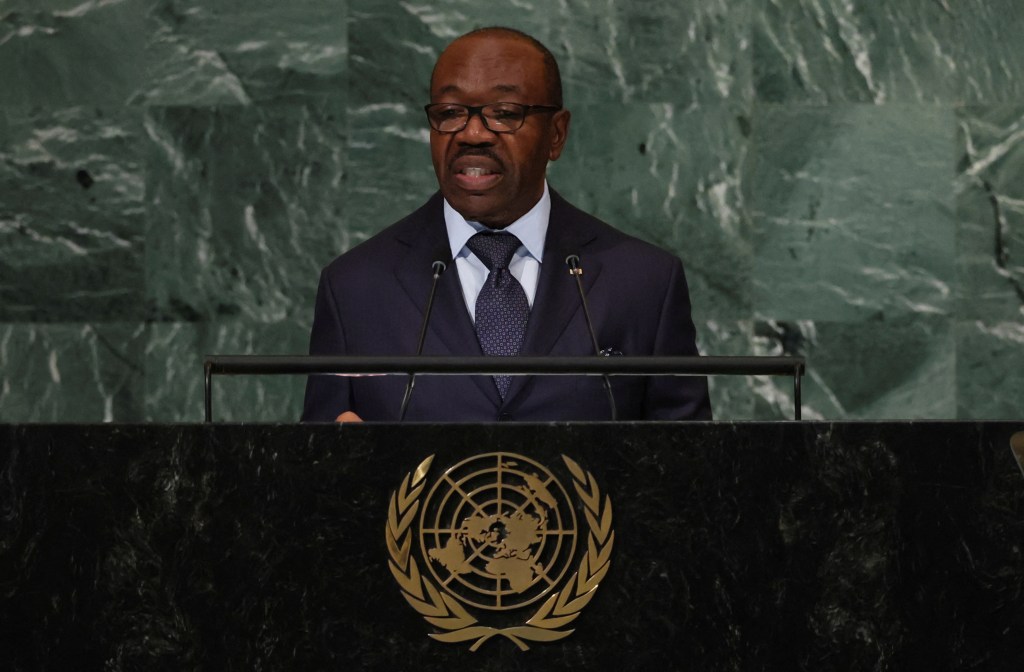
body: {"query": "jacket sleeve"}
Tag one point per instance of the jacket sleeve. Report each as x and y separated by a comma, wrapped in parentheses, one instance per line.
(676, 397)
(326, 395)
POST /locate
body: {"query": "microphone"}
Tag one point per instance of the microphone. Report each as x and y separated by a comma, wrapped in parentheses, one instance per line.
(438, 267)
(573, 262)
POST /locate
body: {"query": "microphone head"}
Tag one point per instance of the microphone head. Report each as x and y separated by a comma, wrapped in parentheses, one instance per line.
(573, 261)
(438, 267)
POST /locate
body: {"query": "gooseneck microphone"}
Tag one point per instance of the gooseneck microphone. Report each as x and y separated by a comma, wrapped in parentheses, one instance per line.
(438, 267)
(573, 262)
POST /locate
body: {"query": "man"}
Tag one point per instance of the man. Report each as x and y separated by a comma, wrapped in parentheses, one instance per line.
(496, 120)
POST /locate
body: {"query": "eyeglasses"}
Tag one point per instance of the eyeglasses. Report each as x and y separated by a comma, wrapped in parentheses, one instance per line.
(497, 117)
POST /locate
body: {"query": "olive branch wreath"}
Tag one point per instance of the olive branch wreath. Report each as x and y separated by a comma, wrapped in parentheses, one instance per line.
(444, 611)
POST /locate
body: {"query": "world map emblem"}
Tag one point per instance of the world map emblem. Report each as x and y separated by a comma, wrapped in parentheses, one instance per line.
(498, 534)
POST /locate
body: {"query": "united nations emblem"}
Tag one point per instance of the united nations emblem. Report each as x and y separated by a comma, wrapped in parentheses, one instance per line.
(498, 533)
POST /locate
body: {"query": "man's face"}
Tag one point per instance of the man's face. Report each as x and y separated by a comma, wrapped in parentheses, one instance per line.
(494, 178)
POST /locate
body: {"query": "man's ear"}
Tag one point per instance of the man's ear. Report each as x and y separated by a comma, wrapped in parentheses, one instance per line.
(559, 133)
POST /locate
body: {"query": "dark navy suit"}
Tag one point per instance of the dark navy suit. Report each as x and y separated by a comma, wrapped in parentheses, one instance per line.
(371, 302)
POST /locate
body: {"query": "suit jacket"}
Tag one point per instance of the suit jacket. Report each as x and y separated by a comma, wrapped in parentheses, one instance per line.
(371, 301)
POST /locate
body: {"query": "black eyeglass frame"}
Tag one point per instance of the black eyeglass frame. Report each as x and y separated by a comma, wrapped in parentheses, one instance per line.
(478, 110)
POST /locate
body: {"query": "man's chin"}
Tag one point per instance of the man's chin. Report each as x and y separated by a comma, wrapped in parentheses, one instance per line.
(478, 208)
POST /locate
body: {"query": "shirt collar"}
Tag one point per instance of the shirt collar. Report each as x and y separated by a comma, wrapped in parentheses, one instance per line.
(531, 229)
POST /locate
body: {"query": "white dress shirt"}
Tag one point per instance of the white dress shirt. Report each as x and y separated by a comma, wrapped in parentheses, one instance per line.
(531, 229)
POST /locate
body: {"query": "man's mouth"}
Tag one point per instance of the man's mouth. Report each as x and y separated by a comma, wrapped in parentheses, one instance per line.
(476, 178)
(476, 172)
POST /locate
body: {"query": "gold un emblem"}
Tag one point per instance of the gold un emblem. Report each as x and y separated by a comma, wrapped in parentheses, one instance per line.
(497, 535)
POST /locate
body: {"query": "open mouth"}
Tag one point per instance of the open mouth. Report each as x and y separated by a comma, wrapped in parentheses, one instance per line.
(476, 170)
(474, 178)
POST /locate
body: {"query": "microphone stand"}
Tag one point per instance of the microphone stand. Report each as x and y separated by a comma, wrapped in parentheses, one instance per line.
(438, 267)
(573, 261)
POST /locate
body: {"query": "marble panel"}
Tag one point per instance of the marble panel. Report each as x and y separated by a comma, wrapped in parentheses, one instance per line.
(685, 52)
(739, 398)
(826, 51)
(672, 177)
(852, 208)
(731, 396)
(990, 213)
(72, 215)
(240, 51)
(854, 371)
(174, 354)
(990, 370)
(244, 208)
(71, 372)
(887, 369)
(390, 173)
(59, 53)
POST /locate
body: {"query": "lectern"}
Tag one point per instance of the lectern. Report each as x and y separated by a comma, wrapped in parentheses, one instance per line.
(604, 546)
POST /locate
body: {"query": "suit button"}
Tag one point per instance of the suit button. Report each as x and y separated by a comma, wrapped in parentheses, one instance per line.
(505, 417)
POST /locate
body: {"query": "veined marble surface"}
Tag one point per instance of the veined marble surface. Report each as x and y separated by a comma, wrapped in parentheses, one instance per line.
(842, 178)
(72, 215)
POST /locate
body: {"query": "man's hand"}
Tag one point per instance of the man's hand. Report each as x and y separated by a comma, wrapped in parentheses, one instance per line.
(348, 416)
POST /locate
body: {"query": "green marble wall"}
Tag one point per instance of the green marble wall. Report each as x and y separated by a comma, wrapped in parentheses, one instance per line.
(844, 180)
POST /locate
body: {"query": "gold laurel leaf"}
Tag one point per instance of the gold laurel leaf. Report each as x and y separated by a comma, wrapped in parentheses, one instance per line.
(421, 471)
(435, 597)
(440, 614)
(606, 520)
(457, 608)
(553, 622)
(577, 472)
(601, 556)
(595, 579)
(407, 583)
(448, 622)
(583, 574)
(465, 634)
(403, 491)
(407, 519)
(399, 553)
(590, 500)
(592, 522)
(393, 517)
(544, 610)
(576, 606)
(557, 612)
(424, 609)
(414, 575)
(566, 593)
(455, 615)
(407, 498)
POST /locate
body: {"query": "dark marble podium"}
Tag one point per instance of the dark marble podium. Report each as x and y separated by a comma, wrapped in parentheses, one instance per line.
(761, 546)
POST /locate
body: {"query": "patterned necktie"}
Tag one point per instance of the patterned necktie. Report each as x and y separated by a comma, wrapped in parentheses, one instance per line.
(501, 307)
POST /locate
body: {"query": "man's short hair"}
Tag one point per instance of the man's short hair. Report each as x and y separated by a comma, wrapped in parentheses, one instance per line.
(552, 76)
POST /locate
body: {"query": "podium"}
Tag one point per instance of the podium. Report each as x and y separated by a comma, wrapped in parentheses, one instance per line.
(737, 546)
